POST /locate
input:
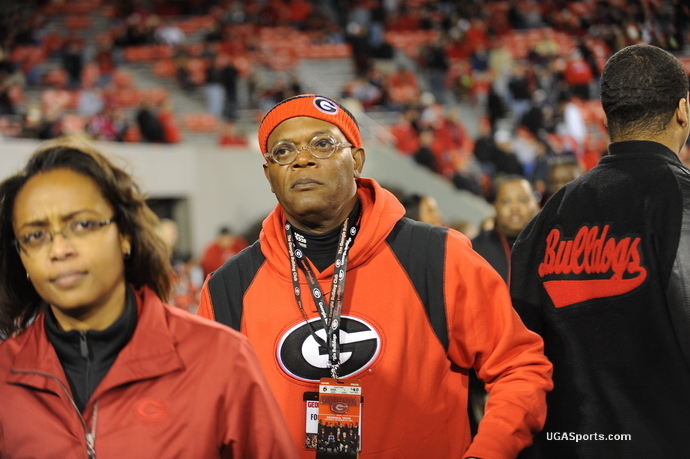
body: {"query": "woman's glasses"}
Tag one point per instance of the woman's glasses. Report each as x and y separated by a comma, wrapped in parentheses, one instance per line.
(34, 240)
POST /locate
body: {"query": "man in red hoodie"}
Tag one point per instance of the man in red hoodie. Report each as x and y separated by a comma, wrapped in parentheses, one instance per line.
(341, 285)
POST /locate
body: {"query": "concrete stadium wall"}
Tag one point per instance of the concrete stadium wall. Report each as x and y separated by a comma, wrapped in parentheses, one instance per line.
(226, 186)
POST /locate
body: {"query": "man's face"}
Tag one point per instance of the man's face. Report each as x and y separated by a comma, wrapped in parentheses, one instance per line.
(560, 175)
(316, 194)
(515, 206)
(429, 211)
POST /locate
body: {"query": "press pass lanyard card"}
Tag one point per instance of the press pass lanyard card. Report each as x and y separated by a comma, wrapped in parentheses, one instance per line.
(311, 399)
(339, 419)
(333, 424)
(329, 313)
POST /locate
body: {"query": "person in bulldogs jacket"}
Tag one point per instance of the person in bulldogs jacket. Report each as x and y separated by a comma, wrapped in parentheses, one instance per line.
(603, 274)
(419, 306)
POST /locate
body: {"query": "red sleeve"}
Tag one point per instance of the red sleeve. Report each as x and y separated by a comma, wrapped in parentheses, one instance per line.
(205, 306)
(253, 414)
(487, 334)
(210, 259)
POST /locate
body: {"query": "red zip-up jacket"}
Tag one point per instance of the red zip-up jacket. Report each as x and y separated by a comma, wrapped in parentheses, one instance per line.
(420, 309)
(182, 387)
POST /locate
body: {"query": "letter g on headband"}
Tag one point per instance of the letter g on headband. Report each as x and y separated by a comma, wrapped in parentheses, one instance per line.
(313, 106)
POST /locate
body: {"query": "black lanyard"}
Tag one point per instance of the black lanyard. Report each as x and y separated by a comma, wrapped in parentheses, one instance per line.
(330, 315)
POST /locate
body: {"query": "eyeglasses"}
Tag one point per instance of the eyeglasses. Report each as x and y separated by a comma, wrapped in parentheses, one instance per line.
(34, 240)
(321, 147)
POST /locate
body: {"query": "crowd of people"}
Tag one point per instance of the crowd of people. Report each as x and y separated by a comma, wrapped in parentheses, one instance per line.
(538, 102)
(532, 69)
(538, 338)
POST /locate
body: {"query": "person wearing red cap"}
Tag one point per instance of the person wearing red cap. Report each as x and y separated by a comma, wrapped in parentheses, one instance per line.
(342, 287)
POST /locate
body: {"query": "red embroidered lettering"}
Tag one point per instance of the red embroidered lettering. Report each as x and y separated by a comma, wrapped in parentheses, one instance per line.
(550, 256)
(579, 246)
(596, 248)
(591, 253)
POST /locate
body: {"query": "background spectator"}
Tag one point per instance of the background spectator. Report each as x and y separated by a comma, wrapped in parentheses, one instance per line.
(221, 249)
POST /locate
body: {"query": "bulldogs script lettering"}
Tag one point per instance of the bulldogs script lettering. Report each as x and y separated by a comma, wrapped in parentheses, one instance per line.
(584, 259)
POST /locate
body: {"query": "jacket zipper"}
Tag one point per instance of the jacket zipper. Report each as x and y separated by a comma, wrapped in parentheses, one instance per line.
(84, 351)
(90, 435)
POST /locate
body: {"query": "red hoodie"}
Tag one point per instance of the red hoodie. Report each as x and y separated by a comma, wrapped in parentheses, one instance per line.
(414, 387)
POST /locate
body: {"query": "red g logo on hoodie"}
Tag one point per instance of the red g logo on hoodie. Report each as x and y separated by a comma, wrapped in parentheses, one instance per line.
(591, 265)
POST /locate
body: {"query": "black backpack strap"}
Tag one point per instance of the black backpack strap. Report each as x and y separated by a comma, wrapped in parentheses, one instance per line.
(228, 284)
(421, 250)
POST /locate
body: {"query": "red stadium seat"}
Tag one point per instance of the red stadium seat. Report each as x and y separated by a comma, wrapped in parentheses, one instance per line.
(200, 122)
(123, 78)
(127, 97)
(164, 68)
(133, 134)
(55, 77)
(90, 74)
(197, 70)
(155, 95)
(78, 22)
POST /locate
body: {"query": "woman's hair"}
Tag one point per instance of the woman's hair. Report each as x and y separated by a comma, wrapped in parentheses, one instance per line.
(148, 263)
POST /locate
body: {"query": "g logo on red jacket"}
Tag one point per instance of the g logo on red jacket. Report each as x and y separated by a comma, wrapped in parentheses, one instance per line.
(301, 356)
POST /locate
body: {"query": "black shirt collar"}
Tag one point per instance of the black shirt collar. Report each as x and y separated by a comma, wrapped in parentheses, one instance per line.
(86, 356)
(643, 149)
(321, 249)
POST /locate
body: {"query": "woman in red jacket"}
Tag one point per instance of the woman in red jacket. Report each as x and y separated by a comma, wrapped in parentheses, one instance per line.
(94, 362)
